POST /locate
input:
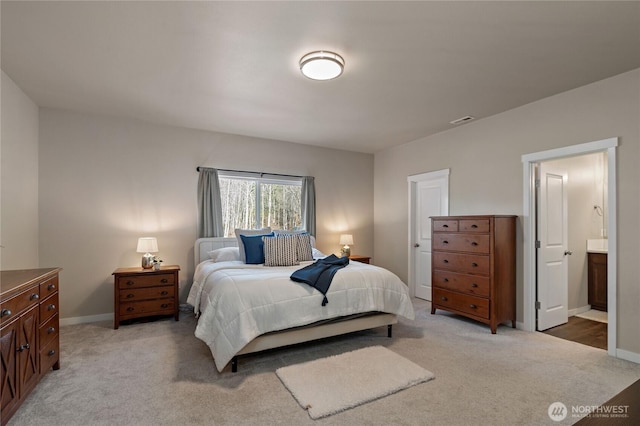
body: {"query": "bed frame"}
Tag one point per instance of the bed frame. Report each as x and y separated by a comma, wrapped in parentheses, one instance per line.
(299, 334)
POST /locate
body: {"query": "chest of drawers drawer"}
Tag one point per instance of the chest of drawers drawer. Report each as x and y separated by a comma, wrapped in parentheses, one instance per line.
(147, 308)
(462, 242)
(49, 307)
(473, 305)
(477, 285)
(471, 263)
(49, 330)
(14, 306)
(136, 294)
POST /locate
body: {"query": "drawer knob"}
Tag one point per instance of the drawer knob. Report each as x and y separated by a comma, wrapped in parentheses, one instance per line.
(473, 243)
(35, 296)
(129, 309)
(6, 312)
(474, 285)
(472, 306)
(446, 280)
(164, 280)
(445, 242)
(23, 347)
(164, 305)
(474, 226)
(445, 261)
(51, 307)
(51, 330)
(51, 287)
(444, 299)
(445, 226)
(474, 264)
(130, 282)
(51, 352)
(129, 296)
(164, 293)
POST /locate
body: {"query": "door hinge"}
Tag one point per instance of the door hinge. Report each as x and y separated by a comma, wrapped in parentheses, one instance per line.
(537, 305)
(537, 244)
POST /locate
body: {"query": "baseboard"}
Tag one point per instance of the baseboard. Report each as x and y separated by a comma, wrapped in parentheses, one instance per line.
(87, 319)
(628, 356)
(578, 311)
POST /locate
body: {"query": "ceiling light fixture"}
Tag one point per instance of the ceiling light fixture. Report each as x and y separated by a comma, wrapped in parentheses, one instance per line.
(321, 65)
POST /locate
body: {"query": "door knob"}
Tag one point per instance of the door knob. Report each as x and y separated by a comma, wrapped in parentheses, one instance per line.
(568, 252)
(416, 245)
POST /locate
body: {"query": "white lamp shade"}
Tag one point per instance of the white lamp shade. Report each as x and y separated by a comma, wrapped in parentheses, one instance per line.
(147, 245)
(346, 239)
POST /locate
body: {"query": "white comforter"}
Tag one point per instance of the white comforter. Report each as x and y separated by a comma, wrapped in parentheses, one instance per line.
(238, 302)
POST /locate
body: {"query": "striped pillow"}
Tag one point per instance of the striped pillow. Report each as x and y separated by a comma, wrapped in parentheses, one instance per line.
(280, 251)
(304, 247)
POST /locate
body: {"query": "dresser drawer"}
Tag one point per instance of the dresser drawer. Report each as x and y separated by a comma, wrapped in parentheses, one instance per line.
(461, 242)
(439, 225)
(150, 280)
(465, 303)
(136, 294)
(472, 263)
(49, 330)
(148, 307)
(10, 308)
(48, 287)
(474, 225)
(49, 355)
(476, 285)
(49, 307)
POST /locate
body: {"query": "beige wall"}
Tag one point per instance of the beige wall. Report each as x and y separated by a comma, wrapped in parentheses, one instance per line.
(19, 179)
(486, 175)
(105, 181)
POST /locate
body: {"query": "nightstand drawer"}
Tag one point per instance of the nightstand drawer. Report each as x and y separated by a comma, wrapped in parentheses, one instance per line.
(49, 307)
(477, 285)
(472, 263)
(150, 280)
(462, 242)
(148, 307)
(49, 330)
(472, 305)
(134, 294)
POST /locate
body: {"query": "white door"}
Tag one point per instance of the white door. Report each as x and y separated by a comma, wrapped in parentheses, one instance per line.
(430, 198)
(553, 251)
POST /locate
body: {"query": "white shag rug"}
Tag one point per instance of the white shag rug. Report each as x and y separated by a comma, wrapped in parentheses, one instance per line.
(330, 385)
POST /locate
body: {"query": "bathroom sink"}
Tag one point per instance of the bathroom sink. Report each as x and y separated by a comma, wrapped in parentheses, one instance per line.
(599, 245)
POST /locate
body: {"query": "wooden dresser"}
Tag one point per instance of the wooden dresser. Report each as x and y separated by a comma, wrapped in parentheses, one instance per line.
(474, 267)
(145, 292)
(29, 336)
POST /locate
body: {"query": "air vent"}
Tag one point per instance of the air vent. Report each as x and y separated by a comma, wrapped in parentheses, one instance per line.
(462, 120)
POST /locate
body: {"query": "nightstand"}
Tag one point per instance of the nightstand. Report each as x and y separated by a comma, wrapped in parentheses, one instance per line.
(358, 258)
(145, 292)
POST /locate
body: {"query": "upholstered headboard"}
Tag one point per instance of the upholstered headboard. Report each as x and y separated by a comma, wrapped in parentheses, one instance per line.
(205, 245)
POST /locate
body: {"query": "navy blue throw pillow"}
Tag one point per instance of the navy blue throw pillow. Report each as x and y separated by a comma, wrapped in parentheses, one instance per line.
(254, 248)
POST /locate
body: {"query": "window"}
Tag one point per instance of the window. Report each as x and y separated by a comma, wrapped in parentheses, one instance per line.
(255, 202)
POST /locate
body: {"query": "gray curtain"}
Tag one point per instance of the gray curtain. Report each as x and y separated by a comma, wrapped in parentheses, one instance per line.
(209, 204)
(309, 204)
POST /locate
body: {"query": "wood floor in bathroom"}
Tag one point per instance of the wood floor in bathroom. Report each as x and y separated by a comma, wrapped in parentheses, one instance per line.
(580, 330)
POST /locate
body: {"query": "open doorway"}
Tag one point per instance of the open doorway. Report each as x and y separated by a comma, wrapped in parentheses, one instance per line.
(530, 296)
(583, 198)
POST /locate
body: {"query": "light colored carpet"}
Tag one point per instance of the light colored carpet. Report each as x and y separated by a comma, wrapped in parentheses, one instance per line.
(337, 383)
(158, 373)
(595, 315)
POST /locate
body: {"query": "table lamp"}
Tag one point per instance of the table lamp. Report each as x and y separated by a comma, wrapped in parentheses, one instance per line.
(147, 245)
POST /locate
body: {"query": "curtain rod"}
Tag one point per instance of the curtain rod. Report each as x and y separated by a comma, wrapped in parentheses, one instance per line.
(256, 173)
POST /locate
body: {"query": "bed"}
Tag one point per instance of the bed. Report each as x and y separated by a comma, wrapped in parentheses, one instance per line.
(243, 308)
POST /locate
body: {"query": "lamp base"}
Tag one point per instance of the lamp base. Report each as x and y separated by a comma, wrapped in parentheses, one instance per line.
(346, 251)
(147, 261)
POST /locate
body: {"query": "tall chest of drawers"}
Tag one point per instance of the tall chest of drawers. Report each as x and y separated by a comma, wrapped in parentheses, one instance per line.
(474, 267)
(29, 336)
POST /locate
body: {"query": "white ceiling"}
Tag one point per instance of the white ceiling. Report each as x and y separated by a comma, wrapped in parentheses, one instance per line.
(232, 67)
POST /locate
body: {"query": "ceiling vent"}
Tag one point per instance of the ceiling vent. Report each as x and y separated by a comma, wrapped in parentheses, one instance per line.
(462, 120)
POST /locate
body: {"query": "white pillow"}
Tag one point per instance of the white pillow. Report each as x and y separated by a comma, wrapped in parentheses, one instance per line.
(224, 254)
(317, 254)
(239, 232)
